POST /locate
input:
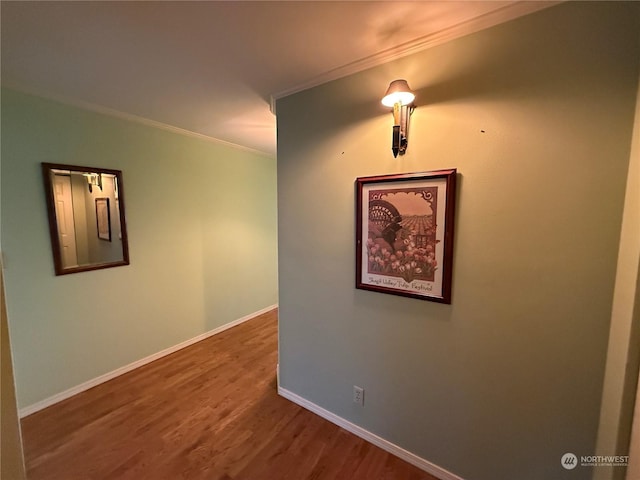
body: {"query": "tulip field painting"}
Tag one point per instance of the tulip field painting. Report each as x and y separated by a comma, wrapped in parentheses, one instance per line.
(403, 244)
(405, 234)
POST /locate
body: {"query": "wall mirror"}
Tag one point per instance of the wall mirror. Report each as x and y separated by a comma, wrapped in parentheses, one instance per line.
(86, 217)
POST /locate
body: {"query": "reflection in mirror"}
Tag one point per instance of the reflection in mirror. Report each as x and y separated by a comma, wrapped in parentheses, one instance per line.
(86, 217)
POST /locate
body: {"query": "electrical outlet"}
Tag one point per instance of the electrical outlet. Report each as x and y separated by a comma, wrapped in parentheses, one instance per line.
(358, 395)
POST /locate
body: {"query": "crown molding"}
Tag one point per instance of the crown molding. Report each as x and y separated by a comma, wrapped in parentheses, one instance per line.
(92, 107)
(489, 19)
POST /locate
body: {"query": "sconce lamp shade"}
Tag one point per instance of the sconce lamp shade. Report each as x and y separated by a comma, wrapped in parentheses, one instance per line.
(93, 180)
(399, 97)
(398, 92)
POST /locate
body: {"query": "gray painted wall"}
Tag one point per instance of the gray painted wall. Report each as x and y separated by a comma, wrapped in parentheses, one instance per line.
(537, 116)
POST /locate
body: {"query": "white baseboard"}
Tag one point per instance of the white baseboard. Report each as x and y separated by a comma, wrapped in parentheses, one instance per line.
(47, 402)
(392, 448)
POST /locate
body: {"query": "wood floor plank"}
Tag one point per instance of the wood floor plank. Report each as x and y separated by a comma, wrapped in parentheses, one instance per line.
(210, 411)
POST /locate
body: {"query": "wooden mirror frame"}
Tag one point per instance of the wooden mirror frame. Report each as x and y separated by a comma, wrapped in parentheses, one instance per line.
(60, 269)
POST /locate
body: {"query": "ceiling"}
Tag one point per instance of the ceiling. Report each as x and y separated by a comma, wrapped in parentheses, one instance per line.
(212, 68)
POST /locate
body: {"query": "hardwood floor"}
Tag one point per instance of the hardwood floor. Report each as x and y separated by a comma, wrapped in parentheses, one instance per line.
(210, 411)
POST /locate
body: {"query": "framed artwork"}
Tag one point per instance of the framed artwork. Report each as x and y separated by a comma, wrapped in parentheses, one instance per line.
(103, 218)
(404, 234)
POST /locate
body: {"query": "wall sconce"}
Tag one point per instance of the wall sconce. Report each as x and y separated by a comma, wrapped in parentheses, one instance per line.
(93, 179)
(400, 97)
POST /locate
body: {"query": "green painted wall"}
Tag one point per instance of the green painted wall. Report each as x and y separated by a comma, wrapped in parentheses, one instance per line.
(201, 219)
(537, 116)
